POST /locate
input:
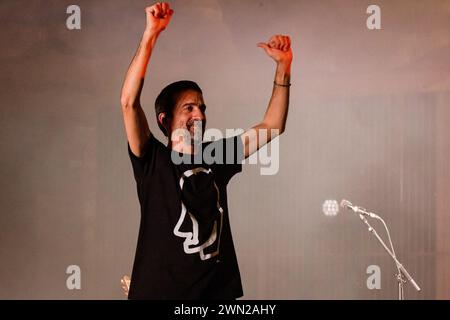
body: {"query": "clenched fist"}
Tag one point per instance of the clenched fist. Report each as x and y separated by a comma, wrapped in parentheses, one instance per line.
(278, 48)
(158, 16)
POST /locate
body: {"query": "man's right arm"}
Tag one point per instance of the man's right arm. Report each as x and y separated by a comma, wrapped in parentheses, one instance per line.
(136, 125)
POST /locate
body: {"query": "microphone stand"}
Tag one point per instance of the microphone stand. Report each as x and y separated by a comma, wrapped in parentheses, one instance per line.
(401, 269)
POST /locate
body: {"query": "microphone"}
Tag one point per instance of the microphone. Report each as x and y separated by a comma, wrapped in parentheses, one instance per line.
(348, 205)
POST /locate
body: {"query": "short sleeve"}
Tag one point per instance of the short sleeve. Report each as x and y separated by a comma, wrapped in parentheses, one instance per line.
(233, 151)
(141, 164)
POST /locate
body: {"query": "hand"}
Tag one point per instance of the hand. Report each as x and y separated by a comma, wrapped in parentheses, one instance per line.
(158, 17)
(125, 281)
(278, 48)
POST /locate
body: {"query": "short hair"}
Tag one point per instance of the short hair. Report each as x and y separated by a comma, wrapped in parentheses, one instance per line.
(167, 99)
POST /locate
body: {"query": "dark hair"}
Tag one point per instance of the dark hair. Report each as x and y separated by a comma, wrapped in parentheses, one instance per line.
(167, 99)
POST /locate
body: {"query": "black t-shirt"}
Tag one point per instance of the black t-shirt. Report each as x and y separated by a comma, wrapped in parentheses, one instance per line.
(185, 249)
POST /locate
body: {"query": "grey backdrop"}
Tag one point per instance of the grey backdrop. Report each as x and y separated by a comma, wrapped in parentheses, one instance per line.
(368, 121)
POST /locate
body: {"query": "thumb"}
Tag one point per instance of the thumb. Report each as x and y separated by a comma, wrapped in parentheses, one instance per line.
(264, 46)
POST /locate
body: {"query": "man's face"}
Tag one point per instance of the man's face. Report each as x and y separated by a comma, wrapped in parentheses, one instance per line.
(189, 114)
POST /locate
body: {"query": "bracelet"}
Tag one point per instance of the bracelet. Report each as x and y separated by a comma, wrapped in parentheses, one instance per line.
(282, 85)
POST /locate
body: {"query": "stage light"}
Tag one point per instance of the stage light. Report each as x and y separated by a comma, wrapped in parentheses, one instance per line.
(330, 208)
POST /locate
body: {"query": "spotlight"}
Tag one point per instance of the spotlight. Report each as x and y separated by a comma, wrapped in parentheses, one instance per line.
(330, 208)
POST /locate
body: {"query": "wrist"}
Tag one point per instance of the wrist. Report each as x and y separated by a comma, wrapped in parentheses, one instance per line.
(284, 66)
(150, 36)
(283, 74)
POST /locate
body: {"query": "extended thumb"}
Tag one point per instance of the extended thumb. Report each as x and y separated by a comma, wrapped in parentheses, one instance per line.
(264, 46)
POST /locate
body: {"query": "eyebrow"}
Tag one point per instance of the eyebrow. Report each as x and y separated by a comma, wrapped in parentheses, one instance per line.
(189, 103)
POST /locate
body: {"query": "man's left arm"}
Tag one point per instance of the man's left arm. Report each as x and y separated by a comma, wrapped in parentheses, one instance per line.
(274, 121)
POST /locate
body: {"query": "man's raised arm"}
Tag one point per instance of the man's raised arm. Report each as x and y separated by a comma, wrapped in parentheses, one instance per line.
(279, 49)
(136, 125)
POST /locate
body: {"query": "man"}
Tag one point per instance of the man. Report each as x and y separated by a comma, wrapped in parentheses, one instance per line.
(185, 248)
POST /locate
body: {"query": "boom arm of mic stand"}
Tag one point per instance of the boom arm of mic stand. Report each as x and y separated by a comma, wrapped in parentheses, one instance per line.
(399, 265)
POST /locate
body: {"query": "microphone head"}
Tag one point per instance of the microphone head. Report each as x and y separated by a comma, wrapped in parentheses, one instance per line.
(346, 204)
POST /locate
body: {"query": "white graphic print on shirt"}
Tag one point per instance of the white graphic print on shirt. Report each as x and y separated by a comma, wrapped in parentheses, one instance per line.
(191, 243)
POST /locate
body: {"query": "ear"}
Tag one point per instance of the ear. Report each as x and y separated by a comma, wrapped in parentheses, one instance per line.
(162, 118)
(164, 122)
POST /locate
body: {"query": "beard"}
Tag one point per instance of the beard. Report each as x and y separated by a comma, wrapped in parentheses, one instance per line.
(196, 129)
